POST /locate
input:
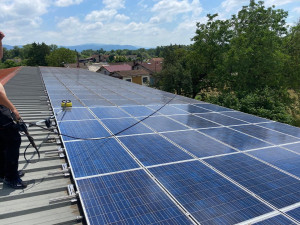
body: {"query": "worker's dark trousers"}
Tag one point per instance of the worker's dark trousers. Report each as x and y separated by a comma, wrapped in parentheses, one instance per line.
(10, 141)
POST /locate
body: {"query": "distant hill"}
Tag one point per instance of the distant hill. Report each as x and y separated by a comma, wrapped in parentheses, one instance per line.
(9, 47)
(105, 47)
(82, 47)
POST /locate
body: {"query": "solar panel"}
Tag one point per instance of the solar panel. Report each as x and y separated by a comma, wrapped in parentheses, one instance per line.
(245, 117)
(221, 119)
(194, 121)
(270, 136)
(294, 147)
(152, 149)
(272, 185)
(281, 158)
(212, 107)
(93, 129)
(109, 112)
(276, 220)
(198, 144)
(161, 123)
(209, 197)
(120, 125)
(128, 198)
(295, 213)
(73, 114)
(189, 163)
(235, 139)
(98, 156)
(191, 108)
(167, 110)
(138, 111)
(284, 128)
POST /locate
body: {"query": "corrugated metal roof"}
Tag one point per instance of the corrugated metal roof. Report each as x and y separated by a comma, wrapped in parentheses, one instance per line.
(31, 205)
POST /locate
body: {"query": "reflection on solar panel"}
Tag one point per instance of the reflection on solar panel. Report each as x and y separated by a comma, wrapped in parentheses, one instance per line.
(188, 163)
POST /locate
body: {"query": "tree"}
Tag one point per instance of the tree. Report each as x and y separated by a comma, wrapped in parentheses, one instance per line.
(61, 56)
(255, 59)
(175, 76)
(211, 42)
(37, 54)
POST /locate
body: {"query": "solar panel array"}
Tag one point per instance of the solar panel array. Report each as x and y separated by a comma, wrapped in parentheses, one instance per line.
(189, 163)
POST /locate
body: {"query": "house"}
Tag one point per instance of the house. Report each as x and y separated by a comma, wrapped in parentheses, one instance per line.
(141, 77)
(153, 66)
(131, 57)
(108, 70)
(104, 58)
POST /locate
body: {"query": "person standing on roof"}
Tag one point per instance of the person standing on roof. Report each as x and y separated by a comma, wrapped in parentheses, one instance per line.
(10, 140)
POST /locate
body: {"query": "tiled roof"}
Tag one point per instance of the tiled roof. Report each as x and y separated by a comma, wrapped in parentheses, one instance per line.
(153, 66)
(131, 73)
(114, 68)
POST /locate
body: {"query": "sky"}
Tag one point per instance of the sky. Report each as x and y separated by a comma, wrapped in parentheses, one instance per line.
(142, 23)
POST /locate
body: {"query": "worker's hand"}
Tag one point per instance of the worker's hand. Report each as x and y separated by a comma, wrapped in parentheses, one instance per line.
(1, 35)
(15, 111)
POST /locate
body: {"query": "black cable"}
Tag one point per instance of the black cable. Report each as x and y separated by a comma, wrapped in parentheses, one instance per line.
(127, 128)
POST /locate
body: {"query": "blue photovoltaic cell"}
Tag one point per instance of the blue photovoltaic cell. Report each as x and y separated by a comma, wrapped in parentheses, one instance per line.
(214, 108)
(109, 112)
(281, 158)
(90, 96)
(119, 126)
(124, 102)
(198, 144)
(167, 110)
(276, 220)
(191, 108)
(138, 111)
(272, 185)
(162, 123)
(96, 102)
(82, 129)
(97, 157)
(148, 101)
(234, 138)
(194, 121)
(284, 128)
(293, 147)
(265, 134)
(246, 117)
(221, 119)
(73, 114)
(210, 198)
(128, 198)
(295, 213)
(152, 149)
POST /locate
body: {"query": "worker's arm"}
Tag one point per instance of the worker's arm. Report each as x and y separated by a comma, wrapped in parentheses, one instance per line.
(5, 101)
(1, 48)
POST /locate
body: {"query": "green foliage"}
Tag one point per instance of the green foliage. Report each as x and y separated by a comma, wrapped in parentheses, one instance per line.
(265, 103)
(249, 62)
(175, 76)
(8, 64)
(61, 56)
(37, 54)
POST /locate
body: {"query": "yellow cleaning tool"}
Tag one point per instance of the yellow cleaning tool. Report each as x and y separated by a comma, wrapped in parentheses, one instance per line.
(66, 103)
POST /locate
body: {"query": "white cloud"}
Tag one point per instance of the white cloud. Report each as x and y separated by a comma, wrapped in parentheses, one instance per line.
(65, 3)
(121, 17)
(297, 10)
(101, 15)
(167, 10)
(142, 4)
(230, 5)
(23, 8)
(114, 4)
(279, 2)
